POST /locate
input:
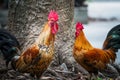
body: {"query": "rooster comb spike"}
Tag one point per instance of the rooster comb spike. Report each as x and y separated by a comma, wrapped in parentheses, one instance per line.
(53, 15)
(79, 26)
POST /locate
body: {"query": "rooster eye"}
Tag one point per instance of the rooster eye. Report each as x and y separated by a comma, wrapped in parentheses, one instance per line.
(52, 24)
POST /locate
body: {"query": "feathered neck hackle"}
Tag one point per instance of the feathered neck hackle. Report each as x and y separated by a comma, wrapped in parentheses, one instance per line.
(46, 36)
(81, 41)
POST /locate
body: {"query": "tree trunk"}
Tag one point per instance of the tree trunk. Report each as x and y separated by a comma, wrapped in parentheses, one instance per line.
(27, 17)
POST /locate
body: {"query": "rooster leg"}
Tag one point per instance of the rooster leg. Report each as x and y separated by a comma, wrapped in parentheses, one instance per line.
(7, 63)
(89, 76)
(35, 77)
(93, 76)
(32, 76)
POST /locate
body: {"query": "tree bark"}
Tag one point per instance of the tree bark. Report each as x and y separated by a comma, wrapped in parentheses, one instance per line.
(27, 17)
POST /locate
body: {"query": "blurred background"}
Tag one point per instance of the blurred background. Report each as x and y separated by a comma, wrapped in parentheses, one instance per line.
(98, 16)
(3, 13)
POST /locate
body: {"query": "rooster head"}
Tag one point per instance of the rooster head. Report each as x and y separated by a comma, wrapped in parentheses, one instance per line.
(79, 27)
(53, 18)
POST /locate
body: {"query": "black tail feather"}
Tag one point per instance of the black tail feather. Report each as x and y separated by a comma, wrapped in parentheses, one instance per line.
(113, 39)
(9, 45)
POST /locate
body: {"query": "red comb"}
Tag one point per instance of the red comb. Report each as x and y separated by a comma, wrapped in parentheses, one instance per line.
(79, 26)
(53, 15)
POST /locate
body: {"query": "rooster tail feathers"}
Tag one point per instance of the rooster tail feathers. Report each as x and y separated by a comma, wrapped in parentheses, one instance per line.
(111, 54)
(113, 39)
(9, 46)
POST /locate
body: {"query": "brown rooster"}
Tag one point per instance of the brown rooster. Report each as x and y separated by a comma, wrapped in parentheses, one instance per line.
(36, 59)
(94, 59)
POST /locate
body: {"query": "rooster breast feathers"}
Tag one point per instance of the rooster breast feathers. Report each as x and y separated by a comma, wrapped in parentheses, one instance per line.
(36, 58)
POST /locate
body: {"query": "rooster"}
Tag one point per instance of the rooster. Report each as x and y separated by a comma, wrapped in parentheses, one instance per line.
(94, 59)
(36, 58)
